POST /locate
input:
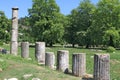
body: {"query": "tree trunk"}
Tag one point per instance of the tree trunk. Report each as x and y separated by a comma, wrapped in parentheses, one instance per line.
(73, 45)
(87, 46)
(51, 44)
(111, 43)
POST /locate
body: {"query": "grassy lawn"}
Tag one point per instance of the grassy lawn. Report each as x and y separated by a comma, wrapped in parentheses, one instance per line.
(18, 66)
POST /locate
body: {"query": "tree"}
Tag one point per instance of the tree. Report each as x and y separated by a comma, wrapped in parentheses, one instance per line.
(106, 19)
(25, 30)
(5, 25)
(85, 14)
(46, 21)
(80, 21)
(71, 29)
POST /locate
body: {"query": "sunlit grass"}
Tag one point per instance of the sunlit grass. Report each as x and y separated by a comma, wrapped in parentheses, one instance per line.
(114, 62)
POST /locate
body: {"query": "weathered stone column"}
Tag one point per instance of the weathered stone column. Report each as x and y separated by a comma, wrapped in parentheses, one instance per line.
(14, 37)
(25, 49)
(101, 67)
(50, 59)
(40, 52)
(79, 64)
(63, 60)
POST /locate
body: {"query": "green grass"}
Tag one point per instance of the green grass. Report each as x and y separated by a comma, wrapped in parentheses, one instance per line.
(30, 66)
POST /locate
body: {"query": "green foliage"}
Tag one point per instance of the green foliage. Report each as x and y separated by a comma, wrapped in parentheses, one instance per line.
(71, 28)
(111, 37)
(25, 30)
(103, 30)
(46, 21)
(80, 21)
(110, 49)
(81, 38)
(87, 25)
(5, 25)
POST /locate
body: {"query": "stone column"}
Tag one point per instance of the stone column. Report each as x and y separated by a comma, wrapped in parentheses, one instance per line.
(40, 52)
(25, 49)
(79, 64)
(101, 67)
(50, 59)
(14, 37)
(63, 60)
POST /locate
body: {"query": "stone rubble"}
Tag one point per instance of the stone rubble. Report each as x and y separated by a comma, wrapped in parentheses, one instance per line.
(35, 79)
(26, 76)
(11, 79)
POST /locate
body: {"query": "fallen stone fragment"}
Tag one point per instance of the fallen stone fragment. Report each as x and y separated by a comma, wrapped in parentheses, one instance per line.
(26, 76)
(11, 79)
(35, 79)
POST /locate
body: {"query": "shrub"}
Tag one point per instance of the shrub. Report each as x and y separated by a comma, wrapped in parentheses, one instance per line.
(110, 49)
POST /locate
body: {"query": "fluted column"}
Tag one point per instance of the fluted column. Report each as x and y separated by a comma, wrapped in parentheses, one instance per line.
(50, 60)
(63, 60)
(79, 64)
(25, 49)
(40, 52)
(101, 67)
(14, 37)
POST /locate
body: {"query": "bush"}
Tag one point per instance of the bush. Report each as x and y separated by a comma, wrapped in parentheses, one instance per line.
(110, 49)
